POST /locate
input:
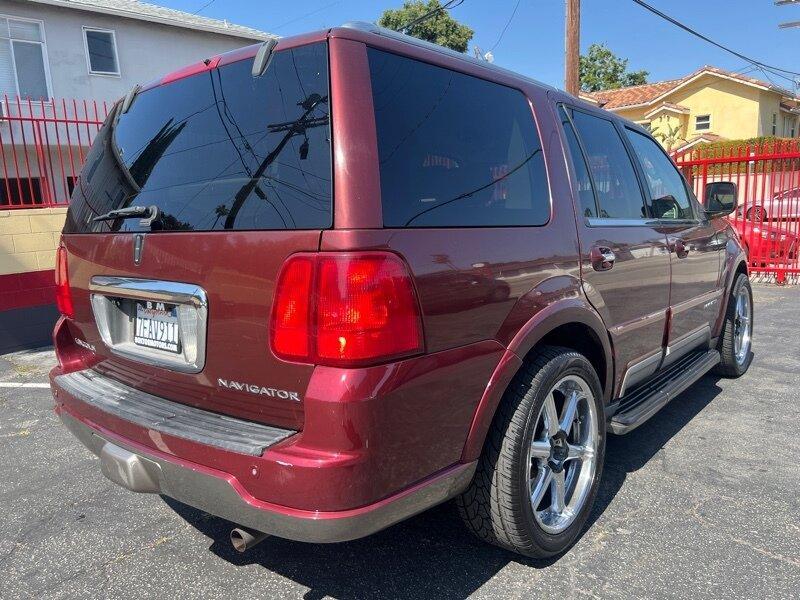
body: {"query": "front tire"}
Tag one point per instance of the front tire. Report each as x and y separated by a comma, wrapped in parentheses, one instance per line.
(541, 464)
(735, 343)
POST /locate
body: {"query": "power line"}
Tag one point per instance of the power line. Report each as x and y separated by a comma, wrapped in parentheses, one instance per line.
(446, 6)
(502, 33)
(775, 70)
(305, 16)
(205, 6)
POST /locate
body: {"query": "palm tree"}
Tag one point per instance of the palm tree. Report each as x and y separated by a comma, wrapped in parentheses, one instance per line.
(669, 138)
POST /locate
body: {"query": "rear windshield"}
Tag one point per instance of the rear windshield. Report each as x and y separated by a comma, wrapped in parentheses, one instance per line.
(218, 150)
(454, 150)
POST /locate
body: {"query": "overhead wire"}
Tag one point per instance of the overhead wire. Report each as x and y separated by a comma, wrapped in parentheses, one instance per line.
(451, 4)
(503, 32)
(205, 6)
(775, 71)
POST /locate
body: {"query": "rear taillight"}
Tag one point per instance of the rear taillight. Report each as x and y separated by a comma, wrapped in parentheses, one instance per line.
(63, 291)
(348, 309)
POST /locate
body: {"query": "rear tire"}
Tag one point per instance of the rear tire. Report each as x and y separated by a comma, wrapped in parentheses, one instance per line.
(499, 505)
(735, 343)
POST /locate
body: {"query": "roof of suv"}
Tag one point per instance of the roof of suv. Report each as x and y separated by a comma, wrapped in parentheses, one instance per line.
(366, 27)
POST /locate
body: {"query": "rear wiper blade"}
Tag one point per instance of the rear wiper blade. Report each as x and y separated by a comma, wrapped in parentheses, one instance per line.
(148, 214)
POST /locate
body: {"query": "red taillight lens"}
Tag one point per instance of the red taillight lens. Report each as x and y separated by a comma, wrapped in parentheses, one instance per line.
(63, 291)
(291, 312)
(345, 309)
(366, 308)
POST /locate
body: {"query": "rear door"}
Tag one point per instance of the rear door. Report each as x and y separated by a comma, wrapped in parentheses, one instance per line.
(624, 254)
(239, 170)
(695, 244)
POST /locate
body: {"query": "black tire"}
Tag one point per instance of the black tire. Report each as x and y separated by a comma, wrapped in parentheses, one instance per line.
(729, 366)
(758, 214)
(496, 506)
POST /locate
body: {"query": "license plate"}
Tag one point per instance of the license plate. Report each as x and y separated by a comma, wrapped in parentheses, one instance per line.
(156, 326)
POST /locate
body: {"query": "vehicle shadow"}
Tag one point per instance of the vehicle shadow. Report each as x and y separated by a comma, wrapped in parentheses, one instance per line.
(432, 554)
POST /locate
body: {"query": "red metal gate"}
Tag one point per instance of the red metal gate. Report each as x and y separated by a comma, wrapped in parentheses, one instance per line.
(42, 147)
(767, 178)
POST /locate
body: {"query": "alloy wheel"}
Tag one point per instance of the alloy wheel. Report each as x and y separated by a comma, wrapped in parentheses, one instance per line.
(563, 454)
(742, 326)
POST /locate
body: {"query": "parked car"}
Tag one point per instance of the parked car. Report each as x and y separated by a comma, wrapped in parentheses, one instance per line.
(784, 205)
(766, 243)
(251, 279)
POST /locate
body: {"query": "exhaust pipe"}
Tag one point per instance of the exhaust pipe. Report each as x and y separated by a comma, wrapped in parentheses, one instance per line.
(243, 539)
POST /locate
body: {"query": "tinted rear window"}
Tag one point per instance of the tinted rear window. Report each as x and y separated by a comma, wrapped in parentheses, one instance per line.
(219, 150)
(454, 150)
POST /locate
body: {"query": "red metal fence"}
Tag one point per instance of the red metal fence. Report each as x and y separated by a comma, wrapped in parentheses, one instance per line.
(42, 147)
(767, 178)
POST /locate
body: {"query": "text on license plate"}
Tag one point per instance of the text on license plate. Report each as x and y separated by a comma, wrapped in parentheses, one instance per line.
(157, 326)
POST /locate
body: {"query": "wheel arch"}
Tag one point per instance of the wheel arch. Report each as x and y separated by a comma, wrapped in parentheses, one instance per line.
(736, 261)
(571, 323)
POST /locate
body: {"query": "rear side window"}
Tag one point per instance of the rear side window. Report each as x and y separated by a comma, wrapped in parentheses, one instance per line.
(583, 179)
(669, 199)
(218, 150)
(615, 183)
(454, 150)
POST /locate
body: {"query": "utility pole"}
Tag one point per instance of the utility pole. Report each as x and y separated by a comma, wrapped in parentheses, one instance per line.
(572, 47)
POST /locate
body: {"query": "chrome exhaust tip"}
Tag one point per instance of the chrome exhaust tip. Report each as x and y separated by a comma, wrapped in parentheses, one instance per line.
(243, 539)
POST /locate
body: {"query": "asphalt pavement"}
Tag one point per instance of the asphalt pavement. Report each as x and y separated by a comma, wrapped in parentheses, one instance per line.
(703, 501)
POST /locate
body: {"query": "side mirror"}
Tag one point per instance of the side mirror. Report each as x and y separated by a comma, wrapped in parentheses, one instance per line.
(720, 198)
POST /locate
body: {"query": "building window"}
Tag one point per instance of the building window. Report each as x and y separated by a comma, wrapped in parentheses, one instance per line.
(774, 123)
(23, 59)
(101, 51)
(21, 191)
(702, 122)
(793, 127)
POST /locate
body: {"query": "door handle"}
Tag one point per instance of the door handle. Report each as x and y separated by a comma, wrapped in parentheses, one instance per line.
(679, 248)
(602, 258)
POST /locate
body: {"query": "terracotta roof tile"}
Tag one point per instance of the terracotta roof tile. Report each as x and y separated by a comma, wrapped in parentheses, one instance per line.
(631, 96)
(647, 93)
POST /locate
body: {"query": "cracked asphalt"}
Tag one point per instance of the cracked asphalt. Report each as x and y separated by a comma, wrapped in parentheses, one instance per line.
(702, 501)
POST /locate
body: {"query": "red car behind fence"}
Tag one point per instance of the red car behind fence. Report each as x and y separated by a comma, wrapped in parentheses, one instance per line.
(766, 179)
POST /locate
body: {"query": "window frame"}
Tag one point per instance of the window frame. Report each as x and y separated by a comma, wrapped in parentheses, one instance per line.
(87, 28)
(647, 221)
(648, 195)
(708, 125)
(42, 44)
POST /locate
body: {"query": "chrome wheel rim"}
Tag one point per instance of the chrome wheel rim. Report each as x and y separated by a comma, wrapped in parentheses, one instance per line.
(562, 457)
(742, 326)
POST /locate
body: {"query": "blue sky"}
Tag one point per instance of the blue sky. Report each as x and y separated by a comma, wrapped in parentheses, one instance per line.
(534, 42)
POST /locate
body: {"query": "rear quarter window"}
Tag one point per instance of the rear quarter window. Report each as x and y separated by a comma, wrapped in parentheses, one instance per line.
(454, 150)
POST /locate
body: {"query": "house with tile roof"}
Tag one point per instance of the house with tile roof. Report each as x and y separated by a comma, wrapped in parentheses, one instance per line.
(707, 105)
(63, 63)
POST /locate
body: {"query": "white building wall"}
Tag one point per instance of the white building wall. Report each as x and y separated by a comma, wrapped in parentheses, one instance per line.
(145, 50)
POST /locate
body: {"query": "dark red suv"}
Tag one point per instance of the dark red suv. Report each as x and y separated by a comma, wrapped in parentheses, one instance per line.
(320, 286)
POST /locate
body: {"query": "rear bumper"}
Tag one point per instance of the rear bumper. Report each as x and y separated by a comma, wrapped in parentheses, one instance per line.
(142, 469)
